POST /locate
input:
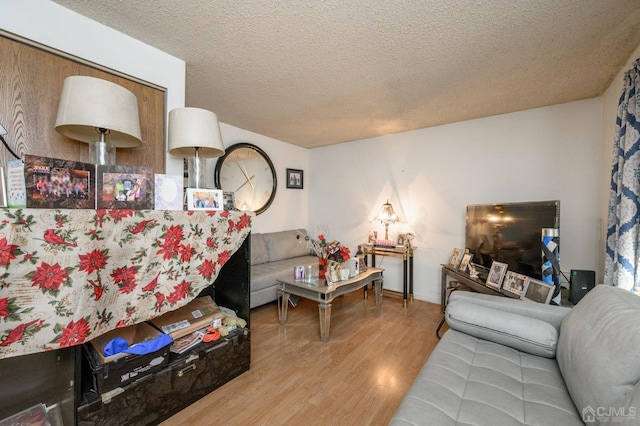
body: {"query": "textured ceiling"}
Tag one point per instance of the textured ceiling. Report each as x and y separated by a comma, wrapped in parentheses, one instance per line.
(316, 73)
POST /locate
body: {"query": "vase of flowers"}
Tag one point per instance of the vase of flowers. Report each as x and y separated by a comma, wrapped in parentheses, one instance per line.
(328, 253)
(323, 264)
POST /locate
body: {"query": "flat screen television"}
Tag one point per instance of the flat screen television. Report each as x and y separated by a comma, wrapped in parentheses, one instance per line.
(510, 233)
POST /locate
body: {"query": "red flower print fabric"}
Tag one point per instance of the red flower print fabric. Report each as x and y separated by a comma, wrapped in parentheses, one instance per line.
(68, 276)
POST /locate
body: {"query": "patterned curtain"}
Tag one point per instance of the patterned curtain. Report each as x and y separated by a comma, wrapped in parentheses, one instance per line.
(623, 232)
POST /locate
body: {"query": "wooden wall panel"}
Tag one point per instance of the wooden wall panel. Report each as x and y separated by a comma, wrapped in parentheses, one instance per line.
(30, 85)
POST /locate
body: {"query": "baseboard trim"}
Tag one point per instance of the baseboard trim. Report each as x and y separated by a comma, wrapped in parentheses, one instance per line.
(393, 294)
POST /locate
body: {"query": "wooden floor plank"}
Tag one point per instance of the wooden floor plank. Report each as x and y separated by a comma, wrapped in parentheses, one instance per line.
(358, 377)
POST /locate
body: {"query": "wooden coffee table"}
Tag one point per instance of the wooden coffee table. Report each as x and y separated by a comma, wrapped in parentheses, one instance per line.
(324, 294)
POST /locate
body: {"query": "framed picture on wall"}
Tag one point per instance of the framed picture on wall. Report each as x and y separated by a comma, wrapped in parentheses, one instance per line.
(295, 178)
(496, 275)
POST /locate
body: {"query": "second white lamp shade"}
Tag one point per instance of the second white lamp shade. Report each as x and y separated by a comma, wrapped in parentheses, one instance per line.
(191, 128)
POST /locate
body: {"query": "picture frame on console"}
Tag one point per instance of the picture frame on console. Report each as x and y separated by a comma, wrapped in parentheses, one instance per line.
(496, 275)
(125, 187)
(464, 263)
(229, 200)
(168, 192)
(455, 259)
(537, 291)
(514, 283)
(204, 199)
(53, 183)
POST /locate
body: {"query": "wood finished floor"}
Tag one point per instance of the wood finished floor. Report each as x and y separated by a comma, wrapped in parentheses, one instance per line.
(359, 377)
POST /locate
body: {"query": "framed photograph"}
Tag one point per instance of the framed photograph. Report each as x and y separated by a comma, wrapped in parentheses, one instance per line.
(53, 183)
(464, 263)
(496, 275)
(168, 192)
(402, 240)
(204, 199)
(514, 283)
(125, 187)
(229, 200)
(16, 188)
(456, 257)
(373, 236)
(537, 291)
(294, 178)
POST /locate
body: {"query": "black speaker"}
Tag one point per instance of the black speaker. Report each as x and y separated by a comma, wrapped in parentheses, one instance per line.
(580, 284)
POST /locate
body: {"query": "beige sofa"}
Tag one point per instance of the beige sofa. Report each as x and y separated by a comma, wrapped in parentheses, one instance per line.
(274, 254)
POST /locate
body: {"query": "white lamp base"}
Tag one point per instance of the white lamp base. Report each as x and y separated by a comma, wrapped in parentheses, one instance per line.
(197, 169)
(103, 153)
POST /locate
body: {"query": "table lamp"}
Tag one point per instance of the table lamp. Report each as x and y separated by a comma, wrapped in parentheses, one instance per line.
(386, 215)
(100, 113)
(194, 133)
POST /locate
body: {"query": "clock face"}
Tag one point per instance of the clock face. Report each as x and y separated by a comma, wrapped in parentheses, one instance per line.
(248, 172)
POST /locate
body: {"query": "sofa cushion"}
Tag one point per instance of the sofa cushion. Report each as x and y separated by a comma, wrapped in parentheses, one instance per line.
(263, 277)
(265, 274)
(286, 244)
(470, 381)
(259, 253)
(598, 348)
(547, 313)
(516, 331)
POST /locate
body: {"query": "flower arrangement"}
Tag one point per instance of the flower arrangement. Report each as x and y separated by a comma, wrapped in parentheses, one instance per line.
(331, 251)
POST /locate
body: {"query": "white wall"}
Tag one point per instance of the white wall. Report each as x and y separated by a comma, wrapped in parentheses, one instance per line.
(290, 207)
(52, 25)
(430, 175)
(610, 100)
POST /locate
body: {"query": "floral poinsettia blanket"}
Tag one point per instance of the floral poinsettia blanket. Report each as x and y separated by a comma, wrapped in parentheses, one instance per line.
(67, 276)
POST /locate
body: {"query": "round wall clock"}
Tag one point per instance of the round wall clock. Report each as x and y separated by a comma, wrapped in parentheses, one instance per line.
(248, 172)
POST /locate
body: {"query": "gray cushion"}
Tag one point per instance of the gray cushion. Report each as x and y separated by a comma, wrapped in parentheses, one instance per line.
(598, 348)
(258, 250)
(286, 244)
(263, 277)
(469, 381)
(547, 313)
(516, 331)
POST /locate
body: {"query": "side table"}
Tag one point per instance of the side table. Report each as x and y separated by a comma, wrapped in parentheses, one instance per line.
(406, 253)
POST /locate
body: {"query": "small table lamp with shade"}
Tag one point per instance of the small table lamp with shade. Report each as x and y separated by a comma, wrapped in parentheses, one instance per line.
(194, 133)
(100, 113)
(386, 216)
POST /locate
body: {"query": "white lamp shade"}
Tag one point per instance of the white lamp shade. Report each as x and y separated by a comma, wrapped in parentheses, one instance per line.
(191, 128)
(89, 103)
